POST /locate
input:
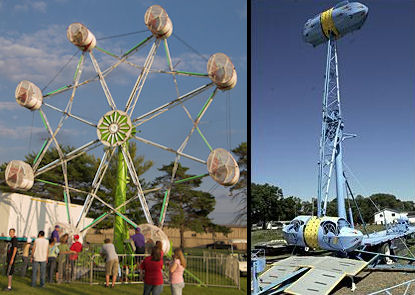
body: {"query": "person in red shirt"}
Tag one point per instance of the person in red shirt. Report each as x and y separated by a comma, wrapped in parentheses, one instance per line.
(77, 247)
(153, 277)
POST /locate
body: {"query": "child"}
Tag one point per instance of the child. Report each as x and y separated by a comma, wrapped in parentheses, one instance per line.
(25, 256)
(53, 254)
(177, 266)
(77, 247)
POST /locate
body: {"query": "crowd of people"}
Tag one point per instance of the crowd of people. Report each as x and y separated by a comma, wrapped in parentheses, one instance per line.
(53, 257)
(47, 256)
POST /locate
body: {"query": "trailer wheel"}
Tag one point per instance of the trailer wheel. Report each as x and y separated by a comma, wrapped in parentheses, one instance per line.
(385, 249)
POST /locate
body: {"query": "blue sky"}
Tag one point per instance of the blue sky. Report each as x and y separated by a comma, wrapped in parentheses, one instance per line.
(33, 46)
(376, 71)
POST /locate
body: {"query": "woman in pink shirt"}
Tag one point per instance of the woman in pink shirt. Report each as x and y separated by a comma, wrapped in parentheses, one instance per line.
(177, 266)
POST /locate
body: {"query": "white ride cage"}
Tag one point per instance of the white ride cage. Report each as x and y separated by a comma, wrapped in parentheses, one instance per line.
(222, 167)
(158, 22)
(19, 175)
(221, 71)
(80, 36)
(155, 233)
(28, 95)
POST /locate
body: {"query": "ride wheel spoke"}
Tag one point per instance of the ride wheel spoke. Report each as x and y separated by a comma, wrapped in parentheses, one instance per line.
(61, 156)
(99, 176)
(65, 116)
(136, 181)
(69, 156)
(138, 86)
(104, 85)
(167, 106)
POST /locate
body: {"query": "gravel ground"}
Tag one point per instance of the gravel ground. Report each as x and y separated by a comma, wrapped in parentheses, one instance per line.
(368, 282)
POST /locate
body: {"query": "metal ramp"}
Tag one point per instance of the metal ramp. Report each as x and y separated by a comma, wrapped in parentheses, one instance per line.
(311, 275)
(315, 281)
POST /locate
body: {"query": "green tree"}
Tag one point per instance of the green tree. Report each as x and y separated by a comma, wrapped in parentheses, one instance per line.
(265, 203)
(188, 208)
(307, 207)
(239, 190)
(291, 207)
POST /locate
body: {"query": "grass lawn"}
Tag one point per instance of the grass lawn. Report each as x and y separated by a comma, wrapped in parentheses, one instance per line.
(259, 236)
(22, 286)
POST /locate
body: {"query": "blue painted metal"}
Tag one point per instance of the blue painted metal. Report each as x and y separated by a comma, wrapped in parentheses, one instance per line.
(347, 17)
(294, 231)
(329, 233)
(258, 264)
(377, 261)
(335, 233)
(331, 138)
(340, 182)
(332, 233)
(399, 230)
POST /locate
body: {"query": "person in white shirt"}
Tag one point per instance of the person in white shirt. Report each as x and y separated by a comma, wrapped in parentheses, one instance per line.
(39, 258)
(111, 262)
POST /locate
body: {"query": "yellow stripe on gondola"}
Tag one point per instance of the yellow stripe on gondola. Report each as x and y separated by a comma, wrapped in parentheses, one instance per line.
(327, 23)
(311, 232)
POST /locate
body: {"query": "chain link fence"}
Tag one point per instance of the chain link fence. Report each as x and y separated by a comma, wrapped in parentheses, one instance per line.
(205, 271)
(208, 270)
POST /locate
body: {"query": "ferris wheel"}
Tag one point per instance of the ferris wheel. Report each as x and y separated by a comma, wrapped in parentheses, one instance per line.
(119, 123)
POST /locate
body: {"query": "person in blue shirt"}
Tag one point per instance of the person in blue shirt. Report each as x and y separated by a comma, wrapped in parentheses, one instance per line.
(55, 234)
(139, 241)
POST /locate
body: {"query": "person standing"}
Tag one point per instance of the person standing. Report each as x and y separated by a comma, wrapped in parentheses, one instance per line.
(55, 234)
(153, 276)
(25, 256)
(139, 241)
(76, 247)
(159, 244)
(11, 258)
(62, 258)
(177, 266)
(40, 257)
(53, 254)
(111, 262)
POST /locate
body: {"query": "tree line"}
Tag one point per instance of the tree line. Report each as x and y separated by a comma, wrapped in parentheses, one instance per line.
(189, 207)
(268, 203)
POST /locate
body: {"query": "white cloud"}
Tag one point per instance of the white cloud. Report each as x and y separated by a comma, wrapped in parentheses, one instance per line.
(24, 132)
(39, 6)
(31, 5)
(9, 106)
(21, 132)
(33, 56)
(39, 55)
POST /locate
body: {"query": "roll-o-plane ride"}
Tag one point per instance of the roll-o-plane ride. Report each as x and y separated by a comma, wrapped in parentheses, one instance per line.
(336, 22)
(336, 233)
